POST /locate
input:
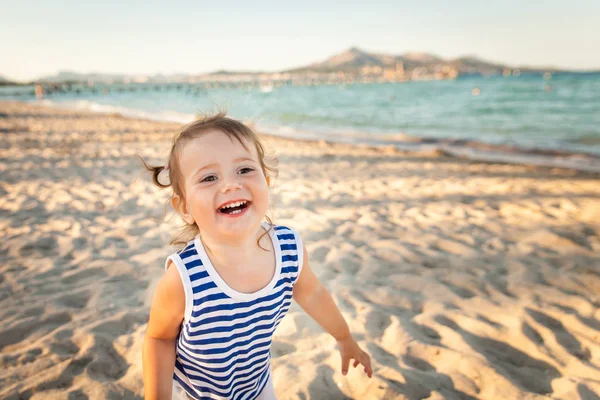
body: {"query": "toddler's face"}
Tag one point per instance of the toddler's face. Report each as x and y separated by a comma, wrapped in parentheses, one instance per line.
(227, 194)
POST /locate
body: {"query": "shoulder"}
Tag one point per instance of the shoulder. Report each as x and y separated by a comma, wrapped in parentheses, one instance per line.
(170, 287)
(168, 305)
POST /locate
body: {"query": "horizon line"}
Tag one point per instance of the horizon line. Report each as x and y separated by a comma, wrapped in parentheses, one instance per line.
(351, 48)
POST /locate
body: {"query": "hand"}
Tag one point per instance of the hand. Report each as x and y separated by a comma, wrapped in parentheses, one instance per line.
(349, 349)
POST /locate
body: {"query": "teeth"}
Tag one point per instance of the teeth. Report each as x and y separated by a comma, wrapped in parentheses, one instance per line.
(234, 204)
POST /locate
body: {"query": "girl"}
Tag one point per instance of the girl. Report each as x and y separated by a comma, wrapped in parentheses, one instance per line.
(225, 291)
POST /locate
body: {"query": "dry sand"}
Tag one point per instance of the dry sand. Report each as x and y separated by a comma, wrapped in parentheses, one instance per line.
(463, 280)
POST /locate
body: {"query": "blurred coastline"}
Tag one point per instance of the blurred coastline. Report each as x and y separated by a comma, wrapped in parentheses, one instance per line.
(550, 120)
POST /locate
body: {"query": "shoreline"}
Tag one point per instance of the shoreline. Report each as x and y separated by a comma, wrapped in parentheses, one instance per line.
(477, 151)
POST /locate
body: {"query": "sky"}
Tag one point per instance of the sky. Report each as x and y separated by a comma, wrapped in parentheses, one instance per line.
(40, 38)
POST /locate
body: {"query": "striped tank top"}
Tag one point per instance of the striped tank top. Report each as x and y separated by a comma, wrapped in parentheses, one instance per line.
(223, 348)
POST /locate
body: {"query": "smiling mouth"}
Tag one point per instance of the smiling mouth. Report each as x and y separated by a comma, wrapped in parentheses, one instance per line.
(234, 208)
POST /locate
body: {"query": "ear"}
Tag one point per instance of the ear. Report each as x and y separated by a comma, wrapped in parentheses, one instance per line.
(179, 205)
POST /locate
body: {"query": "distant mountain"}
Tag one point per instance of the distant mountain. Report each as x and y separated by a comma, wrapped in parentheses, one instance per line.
(226, 72)
(349, 59)
(474, 65)
(353, 59)
(419, 57)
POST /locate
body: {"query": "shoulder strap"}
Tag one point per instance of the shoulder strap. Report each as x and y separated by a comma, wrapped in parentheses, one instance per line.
(288, 234)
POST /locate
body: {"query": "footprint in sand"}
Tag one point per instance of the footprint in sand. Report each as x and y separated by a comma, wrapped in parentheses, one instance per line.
(30, 356)
(417, 363)
(424, 332)
(458, 290)
(77, 395)
(532, 334)
(124, 324)
(33, 328)
(498, 283)
(585, 393)
(63, 334)
(320, 357)
(488, 321)
(319, 254)
(64, 348)
(563, 337)
(381, 355)
(530, 373)
(74, 300)
(377, 322)
(107, 364)
(279, 349)
(75, 368)
(45, 246)
(85, 276)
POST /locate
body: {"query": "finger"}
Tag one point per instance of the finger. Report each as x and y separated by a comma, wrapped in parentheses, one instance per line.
(367, 364)
(356, 362)
(345, 362)
(365, 360)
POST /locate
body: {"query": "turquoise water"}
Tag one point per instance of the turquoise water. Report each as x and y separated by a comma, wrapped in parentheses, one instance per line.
(562, 112)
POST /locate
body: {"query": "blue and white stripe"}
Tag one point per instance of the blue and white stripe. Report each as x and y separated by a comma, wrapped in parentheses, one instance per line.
(225, 339)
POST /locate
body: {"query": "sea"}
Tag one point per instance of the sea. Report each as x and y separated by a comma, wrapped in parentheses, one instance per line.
(550, 119)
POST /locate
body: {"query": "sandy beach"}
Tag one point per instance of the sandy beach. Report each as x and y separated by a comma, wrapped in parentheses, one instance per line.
(462, 279)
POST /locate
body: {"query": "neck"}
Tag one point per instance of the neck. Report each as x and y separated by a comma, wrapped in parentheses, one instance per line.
(224, 251)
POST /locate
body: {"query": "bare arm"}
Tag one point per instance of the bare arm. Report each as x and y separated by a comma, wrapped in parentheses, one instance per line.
(158, 354)
(314, 298)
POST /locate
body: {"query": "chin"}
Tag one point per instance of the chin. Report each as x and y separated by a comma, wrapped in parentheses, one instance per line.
(239, 227)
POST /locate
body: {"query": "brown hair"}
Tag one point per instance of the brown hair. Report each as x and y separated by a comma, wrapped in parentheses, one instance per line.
(233, 129)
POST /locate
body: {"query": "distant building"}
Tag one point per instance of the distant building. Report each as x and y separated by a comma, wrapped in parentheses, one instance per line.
(371, 70)
(400, 69)
(448, 72)
(394, 74)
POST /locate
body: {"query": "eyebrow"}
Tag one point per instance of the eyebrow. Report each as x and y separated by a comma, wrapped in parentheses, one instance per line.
(215, 164)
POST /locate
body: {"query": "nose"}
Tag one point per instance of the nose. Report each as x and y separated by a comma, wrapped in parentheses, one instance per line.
(230, 184)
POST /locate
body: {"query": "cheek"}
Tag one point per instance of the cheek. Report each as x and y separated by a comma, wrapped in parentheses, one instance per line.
(262, 185)
(265, 197)
(202, 201)
(260, 189)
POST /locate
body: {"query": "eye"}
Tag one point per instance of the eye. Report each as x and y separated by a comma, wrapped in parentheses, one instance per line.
(246, 170)
(209, 178)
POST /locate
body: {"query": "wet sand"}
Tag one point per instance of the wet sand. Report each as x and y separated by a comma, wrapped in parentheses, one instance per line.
(463, 279)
